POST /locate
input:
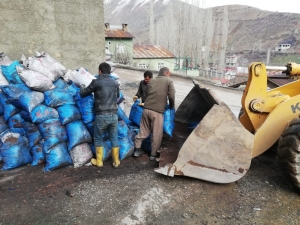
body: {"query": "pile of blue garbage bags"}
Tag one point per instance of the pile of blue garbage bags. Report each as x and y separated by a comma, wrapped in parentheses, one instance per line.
(44, 120)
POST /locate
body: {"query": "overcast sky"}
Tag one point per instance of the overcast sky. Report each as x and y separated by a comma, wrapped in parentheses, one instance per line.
(270, 5)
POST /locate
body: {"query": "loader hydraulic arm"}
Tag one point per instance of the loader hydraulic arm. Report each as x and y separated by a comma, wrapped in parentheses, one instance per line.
(257, 102)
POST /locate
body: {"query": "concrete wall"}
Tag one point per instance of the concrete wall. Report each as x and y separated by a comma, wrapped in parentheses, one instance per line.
(71, 31)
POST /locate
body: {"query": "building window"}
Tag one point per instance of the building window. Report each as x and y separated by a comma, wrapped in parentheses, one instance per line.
(142, 66)
(120, 49)
(109, 42)
(160, 65)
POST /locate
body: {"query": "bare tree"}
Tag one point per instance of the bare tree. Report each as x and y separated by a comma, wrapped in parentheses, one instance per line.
(224, 34)
(151, 22)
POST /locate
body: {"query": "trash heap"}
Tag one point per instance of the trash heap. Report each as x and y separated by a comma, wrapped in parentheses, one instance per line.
(43, 118)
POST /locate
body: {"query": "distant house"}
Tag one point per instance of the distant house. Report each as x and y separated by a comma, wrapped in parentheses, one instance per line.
(282, 47)
(119, 41)
(231, 61)
(152, 57)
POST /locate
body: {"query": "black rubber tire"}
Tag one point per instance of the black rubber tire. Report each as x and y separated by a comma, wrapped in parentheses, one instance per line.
(288, 151)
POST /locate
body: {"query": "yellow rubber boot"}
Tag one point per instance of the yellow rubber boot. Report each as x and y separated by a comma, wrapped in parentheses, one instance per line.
(115, 156)
(99, 157)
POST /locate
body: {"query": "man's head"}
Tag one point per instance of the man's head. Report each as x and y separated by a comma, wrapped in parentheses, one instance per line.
(164, 71)
(104, 68)
(147, 76)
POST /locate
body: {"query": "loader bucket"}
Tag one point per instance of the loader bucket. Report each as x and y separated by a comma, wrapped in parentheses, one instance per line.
(218, 149)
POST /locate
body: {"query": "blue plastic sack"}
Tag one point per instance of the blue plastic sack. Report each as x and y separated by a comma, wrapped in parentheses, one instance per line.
(169, 116)
(1, 110)
(25, 115)
(122, 116)
(136, 113)
(14, 91)
(121, 98)
(77, 134)
(68, 113)
(72, 89)
(41, 113)
(126, 148)
(53, 133)
(90, 127)
(133, 131)
(38, 155)
(60, 83)
(11, 74)
(93, 148)
(57, 157)
(3, 125)
(16, 122)
(122, 129)
(14, 150)
(106, 149)
(30, 100)
(86, 107)
(9, 109)
(146, 144)
(57, 97)
(33, 134)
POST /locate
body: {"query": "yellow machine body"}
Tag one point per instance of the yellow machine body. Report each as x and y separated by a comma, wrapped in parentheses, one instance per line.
(267, 113)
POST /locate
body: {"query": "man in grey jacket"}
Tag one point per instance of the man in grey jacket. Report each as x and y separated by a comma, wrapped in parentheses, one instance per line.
(160, 89)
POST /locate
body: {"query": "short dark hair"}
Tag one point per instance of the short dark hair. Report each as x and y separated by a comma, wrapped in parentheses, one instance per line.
(148, 74)
(104, 68)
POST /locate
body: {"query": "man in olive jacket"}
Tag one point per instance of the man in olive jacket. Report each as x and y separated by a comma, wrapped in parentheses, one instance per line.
(160, 89)
(143, 87)
(106, 92)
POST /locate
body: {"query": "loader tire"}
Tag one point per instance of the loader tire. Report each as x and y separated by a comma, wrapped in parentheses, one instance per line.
(288, 151)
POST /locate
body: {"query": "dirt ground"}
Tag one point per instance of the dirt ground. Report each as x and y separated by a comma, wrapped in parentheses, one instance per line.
(135, 194)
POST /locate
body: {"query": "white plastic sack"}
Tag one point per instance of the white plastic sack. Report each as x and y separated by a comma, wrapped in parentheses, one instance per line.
(56, 67)
(42, 66)
(35, 80)
(24, 61)
(4, 60)
(82, 78)
(81, 154)
(3, 80)
(67, 76)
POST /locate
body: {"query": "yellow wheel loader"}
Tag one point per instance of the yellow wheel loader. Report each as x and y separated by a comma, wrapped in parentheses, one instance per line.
(220, 147)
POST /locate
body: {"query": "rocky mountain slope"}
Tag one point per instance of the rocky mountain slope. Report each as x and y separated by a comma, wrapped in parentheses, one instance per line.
(250, 29)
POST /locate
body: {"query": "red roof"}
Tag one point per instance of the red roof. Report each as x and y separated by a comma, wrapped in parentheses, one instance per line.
(118, 33)
(150, 52)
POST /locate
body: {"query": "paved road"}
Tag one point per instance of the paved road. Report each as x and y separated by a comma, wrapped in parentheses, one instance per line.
(183, 86)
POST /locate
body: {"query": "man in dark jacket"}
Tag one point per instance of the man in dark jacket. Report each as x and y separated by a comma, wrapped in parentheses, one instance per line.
(160, 89)
(106, 92)
(142, 91)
